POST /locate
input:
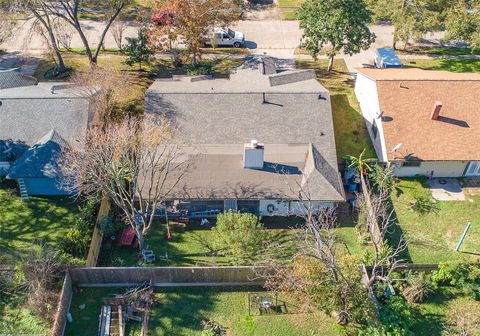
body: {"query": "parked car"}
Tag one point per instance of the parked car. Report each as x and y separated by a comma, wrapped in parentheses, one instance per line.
(164, 18)
(225, 37)
(386, 58)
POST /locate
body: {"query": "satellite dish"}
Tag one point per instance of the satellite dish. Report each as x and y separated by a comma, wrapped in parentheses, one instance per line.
(397, 147)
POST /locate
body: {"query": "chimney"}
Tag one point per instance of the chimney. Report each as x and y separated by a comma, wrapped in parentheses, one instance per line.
(436, 110)
(253, 155)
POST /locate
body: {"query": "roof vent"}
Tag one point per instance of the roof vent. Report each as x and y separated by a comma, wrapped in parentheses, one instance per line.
(436, 110)
(253, 155)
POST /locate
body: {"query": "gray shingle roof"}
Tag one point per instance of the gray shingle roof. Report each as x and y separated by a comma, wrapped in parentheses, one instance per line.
(12, 78)
(28, 113)
(293, 113)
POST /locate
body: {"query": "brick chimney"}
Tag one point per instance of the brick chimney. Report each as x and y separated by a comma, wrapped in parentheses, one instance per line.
(253, 155)
(436, 110)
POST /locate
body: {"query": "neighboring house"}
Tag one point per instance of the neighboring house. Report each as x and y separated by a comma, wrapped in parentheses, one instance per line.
(36, 123)
(257, 138)
(423, 122)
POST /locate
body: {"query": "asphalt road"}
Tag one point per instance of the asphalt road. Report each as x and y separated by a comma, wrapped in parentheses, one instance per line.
(273, 37)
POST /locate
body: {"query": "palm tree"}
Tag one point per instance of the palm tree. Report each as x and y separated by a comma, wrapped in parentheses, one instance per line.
(362, 164)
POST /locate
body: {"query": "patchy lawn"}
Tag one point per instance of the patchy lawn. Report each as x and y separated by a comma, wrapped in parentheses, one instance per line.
(179, 311)
(432, 236)
(448, 64)
(192, 247)
(15, 320)
(447, 51)
(289, 3)
(24, 222)
(351, 136)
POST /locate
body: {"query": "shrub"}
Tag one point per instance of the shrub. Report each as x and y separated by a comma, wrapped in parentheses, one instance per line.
(462, 276)
(238, 236)
(77, 239)
(423, 204)
(109, 225)
(204, 68)
(396, 316)
(417, 288)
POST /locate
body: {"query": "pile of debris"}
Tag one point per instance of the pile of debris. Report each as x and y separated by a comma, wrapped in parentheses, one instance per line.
(118, 309)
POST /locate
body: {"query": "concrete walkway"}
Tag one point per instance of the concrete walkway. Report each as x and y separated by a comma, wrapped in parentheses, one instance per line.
(446, 189)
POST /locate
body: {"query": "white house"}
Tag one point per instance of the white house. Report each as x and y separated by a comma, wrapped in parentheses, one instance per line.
(422, 122)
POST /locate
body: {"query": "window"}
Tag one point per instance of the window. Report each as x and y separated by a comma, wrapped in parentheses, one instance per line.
(374, 129)
(411, 164)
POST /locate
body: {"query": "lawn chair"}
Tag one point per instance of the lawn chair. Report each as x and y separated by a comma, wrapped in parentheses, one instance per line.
(148, 256)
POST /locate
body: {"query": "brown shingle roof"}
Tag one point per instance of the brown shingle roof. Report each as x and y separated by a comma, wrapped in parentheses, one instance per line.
(407, 98)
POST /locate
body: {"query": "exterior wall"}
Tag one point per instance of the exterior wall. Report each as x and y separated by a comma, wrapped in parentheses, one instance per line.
(439, 168)
(367, 96)
(288, 208)
(43, 187)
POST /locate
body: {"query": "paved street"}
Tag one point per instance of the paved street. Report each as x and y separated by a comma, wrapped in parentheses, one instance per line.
(267, 36)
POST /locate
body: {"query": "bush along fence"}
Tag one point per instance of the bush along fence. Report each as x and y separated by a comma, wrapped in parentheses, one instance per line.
(160, 277)
(97, 237)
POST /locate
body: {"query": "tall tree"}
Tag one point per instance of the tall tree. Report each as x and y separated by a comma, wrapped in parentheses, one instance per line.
(47, 25)
(412, 19)
(134, 163)
(194, 19)
(463, 22)
(339, 25)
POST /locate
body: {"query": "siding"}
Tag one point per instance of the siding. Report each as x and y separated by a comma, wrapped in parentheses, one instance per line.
(43, 187)
(439, 168)
(367, 96)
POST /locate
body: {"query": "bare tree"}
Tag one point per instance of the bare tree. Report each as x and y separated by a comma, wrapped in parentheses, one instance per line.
(379, 219)
(106, 88)
(135, 163)
(118, 29)
(6, 26)
(69, 11)
(43, 23)
(38, 272)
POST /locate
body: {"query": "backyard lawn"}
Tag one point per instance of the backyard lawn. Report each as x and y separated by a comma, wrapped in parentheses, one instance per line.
(191, 247)
(179, 312)
(432, 236)
(350, 133)
(24, 222)
(448, 64)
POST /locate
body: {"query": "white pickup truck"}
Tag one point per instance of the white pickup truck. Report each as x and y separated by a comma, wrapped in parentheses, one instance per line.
(225, 37)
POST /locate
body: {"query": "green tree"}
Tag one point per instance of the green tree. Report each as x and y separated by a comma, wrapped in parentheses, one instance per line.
(340, 25)
(463, 23)
(412, 19)
(137, 49)
(238, 236)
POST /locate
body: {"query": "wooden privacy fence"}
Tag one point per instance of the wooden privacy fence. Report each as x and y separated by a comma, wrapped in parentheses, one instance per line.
(63, 307)
(166, 276)
(97, 237)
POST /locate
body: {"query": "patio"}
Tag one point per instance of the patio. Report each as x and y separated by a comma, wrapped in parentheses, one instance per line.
(446, 189)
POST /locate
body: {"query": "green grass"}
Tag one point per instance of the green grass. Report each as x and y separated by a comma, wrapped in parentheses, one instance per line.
(447, 51)
(24, 222)
(432, 237)
(448, 64)
(179, 311)
(190, 247)
(289, 3)
(351, 136)
(16, 320)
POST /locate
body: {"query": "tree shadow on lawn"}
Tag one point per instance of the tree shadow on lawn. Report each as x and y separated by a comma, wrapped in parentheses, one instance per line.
(395, 235)
(38, 219)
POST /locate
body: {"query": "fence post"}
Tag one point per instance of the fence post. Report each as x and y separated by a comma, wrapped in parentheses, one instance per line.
(97, 237)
